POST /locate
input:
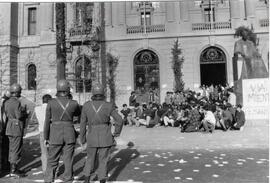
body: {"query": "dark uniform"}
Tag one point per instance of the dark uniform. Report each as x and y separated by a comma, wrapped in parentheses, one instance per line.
(4, 149)
(96, 114)
(15, 128)
(59, 132)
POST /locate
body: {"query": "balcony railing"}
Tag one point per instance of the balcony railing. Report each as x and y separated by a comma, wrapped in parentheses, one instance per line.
(79, 31)
(148, 29)
(209, 26)
(264, 22)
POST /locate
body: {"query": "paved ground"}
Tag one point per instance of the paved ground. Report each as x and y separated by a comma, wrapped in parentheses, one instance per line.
(165, 155)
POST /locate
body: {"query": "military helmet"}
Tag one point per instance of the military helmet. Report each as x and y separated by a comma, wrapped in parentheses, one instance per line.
(98, 89)
(63, 86)
(7, 93)
(15, 88)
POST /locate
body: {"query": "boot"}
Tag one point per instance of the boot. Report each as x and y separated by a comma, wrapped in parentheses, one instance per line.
(86, 179)
(103, 181)
(14, 172)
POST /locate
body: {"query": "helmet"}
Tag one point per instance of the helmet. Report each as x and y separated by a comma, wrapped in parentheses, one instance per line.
(15, 88)
(7, 93)
(63, 86)
(98, 89)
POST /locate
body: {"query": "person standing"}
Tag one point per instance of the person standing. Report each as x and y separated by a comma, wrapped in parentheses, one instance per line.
(59, 132)
(4, 165)
(96, 114)
(15, 129)
(40, 112)
(132, 99)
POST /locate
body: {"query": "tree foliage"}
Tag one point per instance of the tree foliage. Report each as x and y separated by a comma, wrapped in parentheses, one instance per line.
(112, 66)
(60, 40)
(177, 65)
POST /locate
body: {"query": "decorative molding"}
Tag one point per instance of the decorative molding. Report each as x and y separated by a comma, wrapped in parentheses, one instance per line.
(51, 57)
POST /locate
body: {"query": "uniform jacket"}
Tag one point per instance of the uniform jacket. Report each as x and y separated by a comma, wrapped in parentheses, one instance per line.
(63, 132)
(15, 118)
(96, 114)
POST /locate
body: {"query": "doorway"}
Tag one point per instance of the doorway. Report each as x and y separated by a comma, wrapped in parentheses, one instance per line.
(213, 67)
(146, 74)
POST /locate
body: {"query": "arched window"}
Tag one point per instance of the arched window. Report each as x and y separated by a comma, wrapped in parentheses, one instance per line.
(83, 75)
(32, 75)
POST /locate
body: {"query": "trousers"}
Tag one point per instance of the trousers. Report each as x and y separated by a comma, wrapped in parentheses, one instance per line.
(102, 155)
(15, 149)
(54, 154)
(44, 152)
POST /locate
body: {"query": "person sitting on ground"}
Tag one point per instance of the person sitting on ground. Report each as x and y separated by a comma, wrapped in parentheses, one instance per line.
(227, 117)
(137, 112)
(209, 120)
(145, 117)
(168, 117)
(239, 118)
(194, 122)
(126, 115)
(161, 110)
(184, 115)
(152, 117)
(219, 117)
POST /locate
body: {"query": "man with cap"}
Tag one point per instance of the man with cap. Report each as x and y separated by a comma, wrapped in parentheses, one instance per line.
(15, 128)
(5, 143)
(96, 114)
(59, 132)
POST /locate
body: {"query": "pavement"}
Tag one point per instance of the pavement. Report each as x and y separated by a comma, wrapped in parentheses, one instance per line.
(164, 155)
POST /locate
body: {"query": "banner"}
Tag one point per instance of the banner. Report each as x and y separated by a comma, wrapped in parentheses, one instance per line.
(256, 98)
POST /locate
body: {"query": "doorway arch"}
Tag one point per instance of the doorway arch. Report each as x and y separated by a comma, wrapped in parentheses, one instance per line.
(146, 72)
(213, 66)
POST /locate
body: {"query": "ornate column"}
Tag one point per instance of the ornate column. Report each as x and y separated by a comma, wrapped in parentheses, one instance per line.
(184, 14)
(108, 13)
(170, 15)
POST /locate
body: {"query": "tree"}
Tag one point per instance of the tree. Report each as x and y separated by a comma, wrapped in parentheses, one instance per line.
(60, 40)
(177, 65)
(112, 66)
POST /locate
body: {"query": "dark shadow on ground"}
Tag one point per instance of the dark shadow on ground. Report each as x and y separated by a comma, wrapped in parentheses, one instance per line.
(31, 154)
(125, 156)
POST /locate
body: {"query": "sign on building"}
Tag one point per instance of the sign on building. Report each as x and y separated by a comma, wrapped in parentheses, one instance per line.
(256, 98)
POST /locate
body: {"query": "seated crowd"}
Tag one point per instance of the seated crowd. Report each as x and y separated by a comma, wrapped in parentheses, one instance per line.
(188, 110)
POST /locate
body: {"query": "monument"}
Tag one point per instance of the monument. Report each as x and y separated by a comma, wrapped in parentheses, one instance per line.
(251, 78)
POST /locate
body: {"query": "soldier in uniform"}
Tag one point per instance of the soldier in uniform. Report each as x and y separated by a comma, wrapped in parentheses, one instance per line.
(96, 114)
(5, 143)
(15, 128)
(59, 132)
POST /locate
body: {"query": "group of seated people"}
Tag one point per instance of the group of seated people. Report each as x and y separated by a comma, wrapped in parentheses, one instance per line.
(188, 110)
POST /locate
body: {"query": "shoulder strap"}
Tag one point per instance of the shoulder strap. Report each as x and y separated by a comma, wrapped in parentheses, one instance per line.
(97, 110)
(64, 109)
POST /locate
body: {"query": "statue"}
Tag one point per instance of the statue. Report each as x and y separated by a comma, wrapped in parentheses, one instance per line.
(252, 66)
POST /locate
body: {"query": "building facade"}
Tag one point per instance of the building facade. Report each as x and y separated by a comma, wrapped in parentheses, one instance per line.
(140, 34)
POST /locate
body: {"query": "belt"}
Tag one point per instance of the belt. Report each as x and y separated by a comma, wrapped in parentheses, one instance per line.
(99, 124)
(62, 123)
